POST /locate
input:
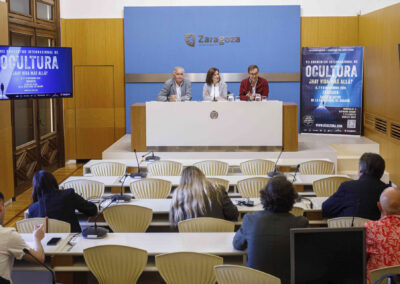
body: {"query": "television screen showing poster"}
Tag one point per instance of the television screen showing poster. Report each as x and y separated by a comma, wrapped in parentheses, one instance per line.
(331, 90)
(35, 72)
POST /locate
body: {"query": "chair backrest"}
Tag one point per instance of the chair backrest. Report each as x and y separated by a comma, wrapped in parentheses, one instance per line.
(297, 211)
(108, 169)
(27, 226)
(220, 182)
(213, 168)
(150, 188)
(345, 222)
(164, 168)
(205, 224)
(325, 187)
(115, 264)
(317, 167)
(375, 274)
(88, 189)
(237, 274)
(256, 167)
(128, 218)
(187, 267)
(251, 187)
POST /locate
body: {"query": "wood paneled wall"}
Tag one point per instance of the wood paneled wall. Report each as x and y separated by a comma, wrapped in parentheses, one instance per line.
(95, 116)
(6, 148)
(329, 31)
(380, 35)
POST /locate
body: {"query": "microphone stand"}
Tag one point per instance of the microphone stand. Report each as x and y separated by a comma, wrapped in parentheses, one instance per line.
(139, 174)
(152, 158)
(53, 275)
(276, 171)
(122, 196)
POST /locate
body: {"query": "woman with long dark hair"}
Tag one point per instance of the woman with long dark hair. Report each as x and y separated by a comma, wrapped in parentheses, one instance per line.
(214, 88)
(49, 201)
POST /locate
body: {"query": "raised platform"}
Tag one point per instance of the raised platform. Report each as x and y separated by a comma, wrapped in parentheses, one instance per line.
(344, 151)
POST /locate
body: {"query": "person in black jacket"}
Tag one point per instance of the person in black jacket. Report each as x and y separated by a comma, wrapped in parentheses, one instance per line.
(266, 233)
(197, 197)
(359, 198)
(53, 203)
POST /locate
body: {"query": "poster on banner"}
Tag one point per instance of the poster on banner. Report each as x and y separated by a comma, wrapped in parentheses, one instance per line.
(331, 90)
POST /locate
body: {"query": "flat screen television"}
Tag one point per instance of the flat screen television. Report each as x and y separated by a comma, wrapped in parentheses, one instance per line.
(328, 256)
(35, 72)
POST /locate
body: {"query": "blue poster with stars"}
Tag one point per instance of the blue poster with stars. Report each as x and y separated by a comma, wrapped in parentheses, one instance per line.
(331, 90)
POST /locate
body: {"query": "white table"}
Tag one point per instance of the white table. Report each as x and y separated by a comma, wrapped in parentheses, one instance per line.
(214, 124)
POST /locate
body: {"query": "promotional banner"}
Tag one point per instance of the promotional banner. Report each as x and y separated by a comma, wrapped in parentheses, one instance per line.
(31, 72)
(331, 90)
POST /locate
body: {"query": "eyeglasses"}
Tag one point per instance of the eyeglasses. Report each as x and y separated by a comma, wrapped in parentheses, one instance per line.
(254, 74)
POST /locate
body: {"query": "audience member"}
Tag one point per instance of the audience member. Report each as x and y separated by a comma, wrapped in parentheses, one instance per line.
(266, 233)
(359, 197)
(197, 197)
(53, 203)
(383, 236)
(12, 245)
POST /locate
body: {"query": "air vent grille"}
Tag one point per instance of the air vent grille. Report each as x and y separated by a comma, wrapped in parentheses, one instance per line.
(380, 125)
(395, 131)
(369, 120)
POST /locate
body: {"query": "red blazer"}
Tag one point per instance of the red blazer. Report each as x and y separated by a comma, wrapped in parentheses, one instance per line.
(261, 88)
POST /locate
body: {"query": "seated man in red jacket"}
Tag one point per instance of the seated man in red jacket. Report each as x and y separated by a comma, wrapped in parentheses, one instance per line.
(253, 85)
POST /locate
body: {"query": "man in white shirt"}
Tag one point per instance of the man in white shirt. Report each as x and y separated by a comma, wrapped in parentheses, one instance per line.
(12, 245)
(176, 89)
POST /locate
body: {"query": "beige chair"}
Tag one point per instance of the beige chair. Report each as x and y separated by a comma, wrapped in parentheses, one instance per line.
(237, 274)
(150, 188)
(325, 187)
(108, 169)
(297, 211)
(164, 168)
(251, 187)
(187, 267)
(220, 182)
(205, 224)
(213, 168)
(26, 226)
(345, 222)
(375, 274)
(256, 167)
(128, 218)
(317, 167)
(88, 189)
(115, 264)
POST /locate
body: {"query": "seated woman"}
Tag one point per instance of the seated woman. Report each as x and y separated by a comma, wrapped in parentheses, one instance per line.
(266, 233)
(197, 197)
(214, 88)
(50, 201)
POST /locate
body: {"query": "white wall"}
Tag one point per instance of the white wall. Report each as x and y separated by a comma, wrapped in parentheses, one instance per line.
(71, 9)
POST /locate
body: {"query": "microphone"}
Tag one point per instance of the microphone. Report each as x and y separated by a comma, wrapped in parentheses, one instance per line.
(122, 197)
(95, 232)
(295, 173)
(354, 213)
(276, 171)
(305, 198)
(53, 276)
(139, 174)
(152, 158)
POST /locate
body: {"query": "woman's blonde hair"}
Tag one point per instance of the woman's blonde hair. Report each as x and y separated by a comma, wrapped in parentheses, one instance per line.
(190, 198)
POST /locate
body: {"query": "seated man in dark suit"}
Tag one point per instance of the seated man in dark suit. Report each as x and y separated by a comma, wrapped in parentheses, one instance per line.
(359, 198)
(266, 233)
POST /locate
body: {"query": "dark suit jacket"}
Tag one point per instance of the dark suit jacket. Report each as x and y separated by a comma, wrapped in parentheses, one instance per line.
(61, 205)
(355, 198)
(266, 235)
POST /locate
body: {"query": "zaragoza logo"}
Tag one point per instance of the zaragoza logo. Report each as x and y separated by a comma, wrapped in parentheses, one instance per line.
(190, 39)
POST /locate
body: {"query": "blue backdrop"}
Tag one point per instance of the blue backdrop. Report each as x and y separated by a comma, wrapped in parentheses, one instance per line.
(229, 38)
